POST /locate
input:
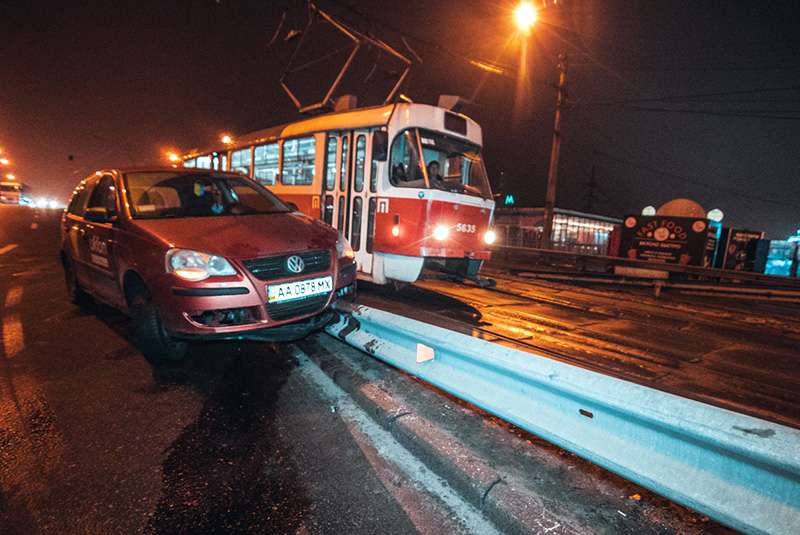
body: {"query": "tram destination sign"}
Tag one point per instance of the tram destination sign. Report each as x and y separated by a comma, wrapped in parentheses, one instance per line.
(667, 239)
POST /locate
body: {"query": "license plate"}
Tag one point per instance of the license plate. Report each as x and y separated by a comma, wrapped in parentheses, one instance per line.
(290, 291)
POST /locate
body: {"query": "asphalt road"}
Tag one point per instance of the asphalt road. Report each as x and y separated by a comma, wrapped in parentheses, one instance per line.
(259, 438)
(95, 440)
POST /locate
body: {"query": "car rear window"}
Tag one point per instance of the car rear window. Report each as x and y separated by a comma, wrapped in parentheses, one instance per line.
(156, 195)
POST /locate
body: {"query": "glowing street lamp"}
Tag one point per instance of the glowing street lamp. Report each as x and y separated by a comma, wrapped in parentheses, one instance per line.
(227, 139)
(525, 16)
(4, 161)
(10, 176)
(174, 158)
(715, 215)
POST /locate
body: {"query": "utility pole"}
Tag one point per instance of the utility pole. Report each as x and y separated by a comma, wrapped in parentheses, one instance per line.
(552, 172)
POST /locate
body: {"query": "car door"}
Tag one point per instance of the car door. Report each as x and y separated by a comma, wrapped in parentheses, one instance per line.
(100, 218)
(76, 246)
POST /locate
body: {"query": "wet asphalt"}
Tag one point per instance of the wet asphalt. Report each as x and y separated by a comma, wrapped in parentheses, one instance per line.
(93, 439)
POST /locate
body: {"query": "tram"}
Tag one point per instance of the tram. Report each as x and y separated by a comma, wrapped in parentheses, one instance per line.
(405, 183)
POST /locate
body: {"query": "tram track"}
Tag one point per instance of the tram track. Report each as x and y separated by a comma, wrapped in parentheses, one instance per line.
(718, 358)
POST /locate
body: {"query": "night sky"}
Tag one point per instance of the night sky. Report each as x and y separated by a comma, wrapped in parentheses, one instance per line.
(667, 99)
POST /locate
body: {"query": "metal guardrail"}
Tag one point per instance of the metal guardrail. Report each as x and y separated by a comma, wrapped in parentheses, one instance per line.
(742, 471)
(520, 257)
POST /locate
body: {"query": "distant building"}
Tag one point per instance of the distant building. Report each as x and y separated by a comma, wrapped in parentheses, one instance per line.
(572, 231)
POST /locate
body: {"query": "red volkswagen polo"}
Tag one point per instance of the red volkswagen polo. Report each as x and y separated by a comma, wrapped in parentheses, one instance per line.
(196, 254)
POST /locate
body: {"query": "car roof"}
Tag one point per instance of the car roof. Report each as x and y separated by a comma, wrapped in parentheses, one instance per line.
(162, 169)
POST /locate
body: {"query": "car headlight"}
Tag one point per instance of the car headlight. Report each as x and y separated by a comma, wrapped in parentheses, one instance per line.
(343, 249)
(195, 266)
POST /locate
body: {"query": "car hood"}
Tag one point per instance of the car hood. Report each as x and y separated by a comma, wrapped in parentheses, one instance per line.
(242, 237)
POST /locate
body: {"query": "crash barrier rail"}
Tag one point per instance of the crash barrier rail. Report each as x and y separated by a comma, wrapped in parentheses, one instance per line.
(522, 257)
(742, 471)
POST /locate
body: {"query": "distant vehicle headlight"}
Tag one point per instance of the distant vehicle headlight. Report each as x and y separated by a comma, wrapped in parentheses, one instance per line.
(490, 237)
(195, 266)
(440, 232)
(343, 249)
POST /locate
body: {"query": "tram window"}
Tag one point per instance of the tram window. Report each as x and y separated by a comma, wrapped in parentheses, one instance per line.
(373, 173)
(361, 155)
(343, 173)
(240, 161)
(355, 224)
(460, 166)
(298, 161)
(265, 164)
(204, 162)
(371, 223)
(330, 163)
(405, 163)
(327, 214)
(190, 163)
(340, 225)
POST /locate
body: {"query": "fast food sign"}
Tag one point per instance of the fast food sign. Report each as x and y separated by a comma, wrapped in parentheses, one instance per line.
(666, 239)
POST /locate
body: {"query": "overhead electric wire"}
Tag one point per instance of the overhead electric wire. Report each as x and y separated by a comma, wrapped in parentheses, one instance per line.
(631, 161)
(715, 113)
(692, 96)
(694, 181)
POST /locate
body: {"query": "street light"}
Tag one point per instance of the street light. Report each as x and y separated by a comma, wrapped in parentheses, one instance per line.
(11, 176)
(4, 161)
(173, 157)
(525, 16)
(227, 139)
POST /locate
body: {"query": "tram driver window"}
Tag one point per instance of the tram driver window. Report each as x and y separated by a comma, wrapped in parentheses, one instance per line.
(405, 165)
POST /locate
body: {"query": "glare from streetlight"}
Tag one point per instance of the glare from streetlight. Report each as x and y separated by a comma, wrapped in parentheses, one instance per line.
(525, 16)
(227, 139)
(173, 157)
(11, 176)
(4, 161)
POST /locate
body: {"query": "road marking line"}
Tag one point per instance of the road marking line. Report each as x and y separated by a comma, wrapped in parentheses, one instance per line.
(8, 248)
(13, 336)
(388, 448)
(14, 297)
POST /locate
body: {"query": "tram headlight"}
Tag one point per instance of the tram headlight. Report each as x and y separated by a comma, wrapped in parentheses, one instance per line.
(343, 249)
(490, 237)
(440, 232)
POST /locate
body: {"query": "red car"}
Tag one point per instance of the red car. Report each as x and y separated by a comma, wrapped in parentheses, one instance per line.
(201, 255)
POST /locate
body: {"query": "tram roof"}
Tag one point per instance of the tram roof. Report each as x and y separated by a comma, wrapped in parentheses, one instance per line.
(342, 120)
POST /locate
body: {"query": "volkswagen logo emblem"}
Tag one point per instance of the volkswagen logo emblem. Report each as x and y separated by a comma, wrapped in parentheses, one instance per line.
(295, 264)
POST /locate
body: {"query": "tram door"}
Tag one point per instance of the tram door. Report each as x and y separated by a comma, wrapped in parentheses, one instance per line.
(359, 194)
(347, 190)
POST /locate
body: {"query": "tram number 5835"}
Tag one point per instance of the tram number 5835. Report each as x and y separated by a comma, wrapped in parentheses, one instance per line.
(465, 228)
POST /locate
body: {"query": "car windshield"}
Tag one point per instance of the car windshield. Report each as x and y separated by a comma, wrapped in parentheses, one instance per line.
(446, 163)
(156, 195)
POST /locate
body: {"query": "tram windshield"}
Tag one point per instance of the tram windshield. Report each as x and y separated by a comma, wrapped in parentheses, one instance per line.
(445, 163)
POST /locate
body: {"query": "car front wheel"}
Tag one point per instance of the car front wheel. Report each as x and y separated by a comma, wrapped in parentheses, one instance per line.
(153, 340)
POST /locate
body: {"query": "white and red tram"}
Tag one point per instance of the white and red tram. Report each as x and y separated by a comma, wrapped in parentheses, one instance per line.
(368, 172)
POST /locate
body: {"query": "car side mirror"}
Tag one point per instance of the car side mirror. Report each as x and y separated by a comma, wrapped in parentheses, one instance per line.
(380, 145)
(98, 214)
(293, 207)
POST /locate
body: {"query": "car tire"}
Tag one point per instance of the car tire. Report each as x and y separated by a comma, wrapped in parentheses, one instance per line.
(153, 340)
(77, 295)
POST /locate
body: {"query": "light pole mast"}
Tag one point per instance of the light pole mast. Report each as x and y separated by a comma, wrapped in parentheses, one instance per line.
(552, 172)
